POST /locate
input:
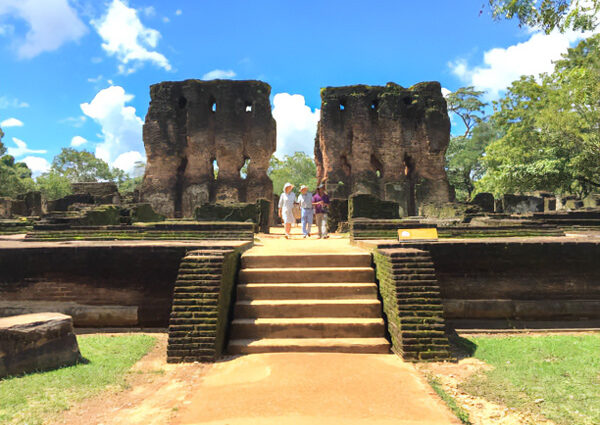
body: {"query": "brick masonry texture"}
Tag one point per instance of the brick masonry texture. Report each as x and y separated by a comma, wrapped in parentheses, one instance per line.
(201, 305)
(412, 304)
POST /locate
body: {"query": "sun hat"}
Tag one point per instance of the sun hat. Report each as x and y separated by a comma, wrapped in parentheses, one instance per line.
(285, 186)
(303, 187)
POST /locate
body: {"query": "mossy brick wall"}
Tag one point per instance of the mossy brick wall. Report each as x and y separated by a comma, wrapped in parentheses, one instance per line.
(338, 212)
(530, 281)
(412, 304)
(202, 303)
(258, 213)
(142, 276)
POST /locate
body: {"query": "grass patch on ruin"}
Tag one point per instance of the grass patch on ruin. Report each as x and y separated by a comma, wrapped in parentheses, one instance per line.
(32, 399)
(555, 376)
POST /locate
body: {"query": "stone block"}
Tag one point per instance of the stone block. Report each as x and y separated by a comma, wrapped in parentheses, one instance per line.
(144, 213)
(36, 342)
(35, 204)
(105, 215)
(592, 201)
(227, 212)
(549, 204)
(485, 201)
(64, 203)
(522, 204)
(369, 206)
(5, 208)
(338, 212)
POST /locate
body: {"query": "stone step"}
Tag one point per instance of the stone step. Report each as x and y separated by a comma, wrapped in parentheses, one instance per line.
(291, 291)
(307, 308)
(307, 328)
(307, 275)
(351, 259)
(314, 345)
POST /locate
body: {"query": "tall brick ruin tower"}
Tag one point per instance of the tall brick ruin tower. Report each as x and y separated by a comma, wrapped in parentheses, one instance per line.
(387, 141)
(193, 125)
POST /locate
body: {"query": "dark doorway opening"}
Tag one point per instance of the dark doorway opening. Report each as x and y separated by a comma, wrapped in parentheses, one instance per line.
(179, 188)
(410, 174)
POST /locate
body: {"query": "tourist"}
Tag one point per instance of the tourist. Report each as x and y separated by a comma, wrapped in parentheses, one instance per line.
(286, 205)
(321, 204)
(305, 202)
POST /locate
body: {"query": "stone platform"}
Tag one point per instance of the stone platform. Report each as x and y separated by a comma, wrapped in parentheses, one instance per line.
(36, 342)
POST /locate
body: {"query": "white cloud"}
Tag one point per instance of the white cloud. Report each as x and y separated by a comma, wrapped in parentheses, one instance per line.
(296, 124)
(219, 74)
(126, 161)
(36, 164)
(51, 23)
(8, 102)
(95, 79)
(166, 19)
(76, 122)
(502, 66)
(11, 122)
(149, 11)
(178, 12)
(445, 92)
(121, 127)
(78, 141)
(128, 39)
(21, 149)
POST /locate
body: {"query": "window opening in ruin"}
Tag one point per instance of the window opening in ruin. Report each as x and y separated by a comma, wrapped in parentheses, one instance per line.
(346, 167)
(377, 166)
(182, 102)
(215, 168)
(244, 169)
(213, 104)
(407, 100)
(409, 172)
(374, 105)
(342, 105)
(248, 107)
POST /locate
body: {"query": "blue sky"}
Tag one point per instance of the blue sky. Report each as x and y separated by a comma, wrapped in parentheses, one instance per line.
(77, 72)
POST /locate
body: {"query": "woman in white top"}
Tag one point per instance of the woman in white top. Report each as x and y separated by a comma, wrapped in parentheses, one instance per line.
(286, 204)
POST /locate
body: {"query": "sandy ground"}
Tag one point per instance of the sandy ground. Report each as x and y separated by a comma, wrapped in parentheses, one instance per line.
(267, 389)
(314, 389)
(156, 391)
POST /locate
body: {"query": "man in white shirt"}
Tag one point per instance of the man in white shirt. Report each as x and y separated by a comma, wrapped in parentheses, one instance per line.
(305, 201)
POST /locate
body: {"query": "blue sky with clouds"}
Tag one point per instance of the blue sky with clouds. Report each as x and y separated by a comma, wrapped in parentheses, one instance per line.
(77, 72)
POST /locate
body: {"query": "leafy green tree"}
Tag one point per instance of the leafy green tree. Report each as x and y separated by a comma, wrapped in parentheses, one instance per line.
(550, 129)
(83, 166)
(464, 154)
(15, 177)
(297, 169)
(549, 14)
(134, 181)
(2, 147)
(54, 185)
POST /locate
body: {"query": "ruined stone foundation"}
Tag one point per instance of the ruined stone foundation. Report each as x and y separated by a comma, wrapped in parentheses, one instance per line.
(195, 127)
(387, 141)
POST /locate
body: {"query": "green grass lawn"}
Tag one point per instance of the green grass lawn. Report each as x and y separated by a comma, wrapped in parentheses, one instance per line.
(555, 376)
(31, 399)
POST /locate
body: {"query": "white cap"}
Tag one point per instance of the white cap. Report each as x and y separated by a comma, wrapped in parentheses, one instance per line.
(288, 184)
(302, 187)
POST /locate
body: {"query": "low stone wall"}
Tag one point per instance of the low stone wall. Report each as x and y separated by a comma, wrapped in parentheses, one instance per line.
(503, 280)
(101, 285)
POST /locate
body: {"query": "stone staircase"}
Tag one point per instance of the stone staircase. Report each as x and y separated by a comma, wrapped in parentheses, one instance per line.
(307, 303)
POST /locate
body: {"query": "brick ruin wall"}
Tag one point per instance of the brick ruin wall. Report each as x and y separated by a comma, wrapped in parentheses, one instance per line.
(478, 280)
(387, 141)
(193, 125)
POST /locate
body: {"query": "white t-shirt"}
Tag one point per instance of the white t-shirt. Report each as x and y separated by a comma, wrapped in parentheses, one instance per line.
(305, 201)
(286, 201)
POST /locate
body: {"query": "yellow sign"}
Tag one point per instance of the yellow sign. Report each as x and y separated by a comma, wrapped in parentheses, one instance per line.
(425, 233)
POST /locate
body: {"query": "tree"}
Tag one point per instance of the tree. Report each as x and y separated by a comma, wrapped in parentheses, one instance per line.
(134, 181)
(83, 166)
(550, 129)
(54, 185)
(548, 15)
(15, 177)
(2, 147)
(297, 169)
(464, 154)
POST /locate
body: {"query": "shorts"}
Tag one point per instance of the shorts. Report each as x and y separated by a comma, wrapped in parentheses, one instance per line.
(288, 216)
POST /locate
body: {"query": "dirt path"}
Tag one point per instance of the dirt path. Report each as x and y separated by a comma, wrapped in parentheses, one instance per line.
(314, 389)
(156, 391)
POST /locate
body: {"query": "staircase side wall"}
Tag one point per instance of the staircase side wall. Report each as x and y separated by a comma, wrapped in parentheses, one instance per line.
(412, 305)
